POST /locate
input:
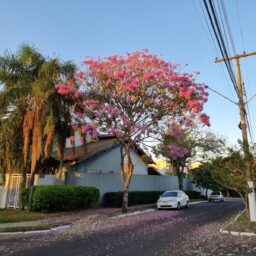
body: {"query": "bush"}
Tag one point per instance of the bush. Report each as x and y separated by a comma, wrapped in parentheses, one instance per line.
(114, 199)
(24, 195)
(195, 195)
(63, 198)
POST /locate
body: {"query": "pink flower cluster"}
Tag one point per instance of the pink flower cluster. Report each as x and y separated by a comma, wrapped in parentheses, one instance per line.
(89, 129)
(64, 89)
(176, 152)
(205, 119)
(111, 111)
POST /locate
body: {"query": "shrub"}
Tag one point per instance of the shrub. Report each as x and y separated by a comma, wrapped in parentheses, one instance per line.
(114, 199)
(194, 194)
(24, 195)
(63, 198)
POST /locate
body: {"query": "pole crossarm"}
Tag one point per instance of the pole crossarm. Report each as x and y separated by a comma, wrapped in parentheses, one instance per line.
(236, 57)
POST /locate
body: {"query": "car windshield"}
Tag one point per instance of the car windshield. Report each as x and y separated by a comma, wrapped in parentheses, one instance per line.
(215, 193)
(170, 194)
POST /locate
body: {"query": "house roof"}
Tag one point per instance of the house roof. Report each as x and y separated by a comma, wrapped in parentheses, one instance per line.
(87, 151)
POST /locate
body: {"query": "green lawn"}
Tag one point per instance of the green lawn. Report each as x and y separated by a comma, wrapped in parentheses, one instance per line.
(26, 228)
(11, 215)
(242, 224)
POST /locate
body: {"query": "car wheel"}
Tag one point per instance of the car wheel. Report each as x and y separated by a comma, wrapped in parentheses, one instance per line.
(187, 205)
(178, 206)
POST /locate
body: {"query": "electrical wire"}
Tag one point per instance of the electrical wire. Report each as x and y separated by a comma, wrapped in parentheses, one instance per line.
(220, 94)
(228, 26)
(218, 35)
(213, 46)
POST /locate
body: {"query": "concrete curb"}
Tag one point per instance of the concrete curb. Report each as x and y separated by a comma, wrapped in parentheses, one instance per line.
(236, 233)
(37, 231)
(133, 213)
(197, 202)
(148, 210)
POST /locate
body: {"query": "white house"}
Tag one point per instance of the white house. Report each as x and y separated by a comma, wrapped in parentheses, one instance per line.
(103, 157)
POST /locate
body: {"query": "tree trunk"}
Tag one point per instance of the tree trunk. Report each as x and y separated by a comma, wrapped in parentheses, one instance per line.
(125, 201)
(23, 175)
(31, 190)
(126, 173)
(180, 178)
(206, 193)
(23, 183)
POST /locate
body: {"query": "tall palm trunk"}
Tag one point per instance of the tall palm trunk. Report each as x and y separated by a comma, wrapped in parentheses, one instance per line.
(36, 151)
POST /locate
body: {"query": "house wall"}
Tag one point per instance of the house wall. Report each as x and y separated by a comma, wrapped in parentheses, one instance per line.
(109, 162)
(112, 182)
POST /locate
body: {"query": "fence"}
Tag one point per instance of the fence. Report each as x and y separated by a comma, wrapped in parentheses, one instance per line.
(112, 182)
(9, 197)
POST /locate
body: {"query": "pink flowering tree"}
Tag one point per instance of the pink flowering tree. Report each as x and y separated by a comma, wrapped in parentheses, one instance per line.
(176, 145)
(130, 96)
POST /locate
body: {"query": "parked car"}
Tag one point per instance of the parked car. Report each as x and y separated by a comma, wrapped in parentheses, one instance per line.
(216, 196)
(173, 199)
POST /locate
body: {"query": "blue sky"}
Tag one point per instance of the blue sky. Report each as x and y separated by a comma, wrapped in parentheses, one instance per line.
(74, 29)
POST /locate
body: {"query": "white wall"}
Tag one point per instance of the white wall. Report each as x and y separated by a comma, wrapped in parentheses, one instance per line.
(112, 182)
(110, 162)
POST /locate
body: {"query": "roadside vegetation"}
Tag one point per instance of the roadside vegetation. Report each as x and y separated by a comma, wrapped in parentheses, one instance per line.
(14, 215)
(26, 228)
(242, 224)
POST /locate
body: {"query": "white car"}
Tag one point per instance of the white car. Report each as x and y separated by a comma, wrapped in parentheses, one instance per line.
(216, 196)
(173, 199)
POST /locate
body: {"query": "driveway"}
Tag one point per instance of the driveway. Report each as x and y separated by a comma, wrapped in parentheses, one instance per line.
(191, 231)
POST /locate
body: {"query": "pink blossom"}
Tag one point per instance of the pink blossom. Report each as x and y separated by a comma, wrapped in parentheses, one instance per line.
(205, 119)
(80, 74)
(72, 138)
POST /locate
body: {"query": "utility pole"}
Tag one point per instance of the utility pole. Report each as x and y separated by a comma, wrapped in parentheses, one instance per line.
(247, 155)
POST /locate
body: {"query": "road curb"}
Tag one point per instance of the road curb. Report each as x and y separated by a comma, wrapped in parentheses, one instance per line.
(197, 202)
(133, 213)
(37, 231)
(236, 233)
(148, 210)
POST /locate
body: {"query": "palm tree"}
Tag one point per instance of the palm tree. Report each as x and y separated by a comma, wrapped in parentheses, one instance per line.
(31, 78)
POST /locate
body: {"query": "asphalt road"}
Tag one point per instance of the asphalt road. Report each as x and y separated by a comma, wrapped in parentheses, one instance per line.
(192, 231)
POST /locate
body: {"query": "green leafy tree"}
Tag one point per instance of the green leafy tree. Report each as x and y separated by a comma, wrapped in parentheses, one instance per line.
(203, 178)
(28, 80)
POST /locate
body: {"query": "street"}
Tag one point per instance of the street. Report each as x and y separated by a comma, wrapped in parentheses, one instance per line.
(193, 231)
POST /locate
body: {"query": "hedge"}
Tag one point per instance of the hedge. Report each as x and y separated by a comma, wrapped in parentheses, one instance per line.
(51, 198)
(24, 198)
(114, 199)
(195, 194)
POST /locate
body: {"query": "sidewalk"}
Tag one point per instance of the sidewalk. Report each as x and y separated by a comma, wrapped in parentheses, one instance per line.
(67, 218)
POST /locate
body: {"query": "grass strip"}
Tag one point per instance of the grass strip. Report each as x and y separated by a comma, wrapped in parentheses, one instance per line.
(242, 224)
(14, 215)
(26, 228)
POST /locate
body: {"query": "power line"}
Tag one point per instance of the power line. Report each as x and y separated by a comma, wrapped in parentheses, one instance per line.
(223, 96)
(218, 35)
(228, 26)
(212, 43)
